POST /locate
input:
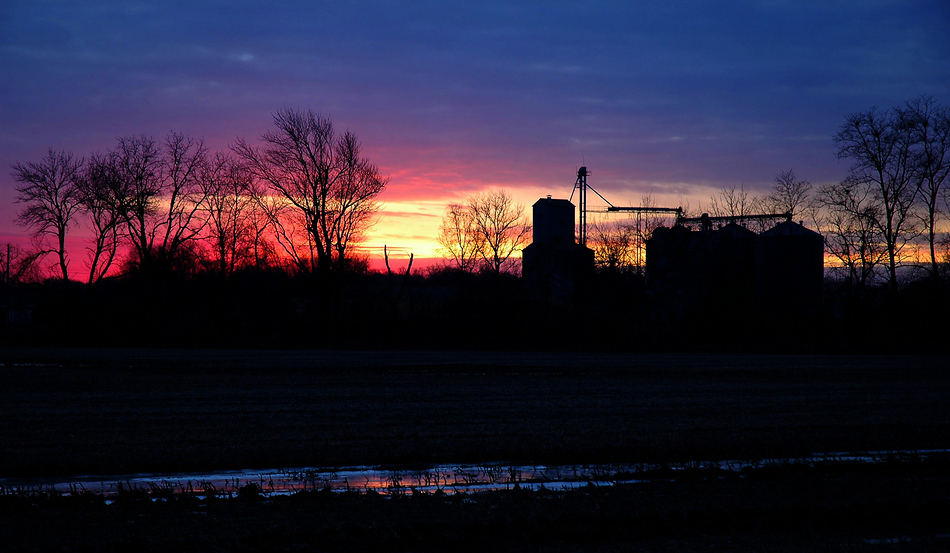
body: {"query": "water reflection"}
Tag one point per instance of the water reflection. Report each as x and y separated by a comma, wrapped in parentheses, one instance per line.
(387, 481)
(396, 480)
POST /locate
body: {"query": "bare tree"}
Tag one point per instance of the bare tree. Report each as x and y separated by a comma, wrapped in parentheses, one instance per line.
(181, 223)
(104, 215)
(931, 162)
(137, 188)
(354, 203)
(231, 206)
(48, 189)
(501, 225)
(329, 187)
(614, 244)
(733, 202)
(853, 233)
(644, 223)
(262, 252)
(288, 227)
(18, 265)
(880, 145)
(792, 195)
(160, 197)
(621, 245)
(458, 239)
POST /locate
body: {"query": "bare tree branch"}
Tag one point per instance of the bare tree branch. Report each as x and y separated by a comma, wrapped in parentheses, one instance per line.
(457, 237)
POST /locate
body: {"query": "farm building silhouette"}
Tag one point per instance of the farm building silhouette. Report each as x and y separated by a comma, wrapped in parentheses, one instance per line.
(554, 266)
(732, 270)
(707, 272)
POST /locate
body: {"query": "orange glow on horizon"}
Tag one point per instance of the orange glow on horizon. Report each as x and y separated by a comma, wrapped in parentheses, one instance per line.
(411, 226)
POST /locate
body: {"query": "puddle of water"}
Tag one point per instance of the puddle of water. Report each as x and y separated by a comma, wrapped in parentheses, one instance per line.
(444, 478)
(900, 539)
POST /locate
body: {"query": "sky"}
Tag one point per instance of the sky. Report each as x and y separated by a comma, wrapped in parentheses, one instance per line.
(676, 99)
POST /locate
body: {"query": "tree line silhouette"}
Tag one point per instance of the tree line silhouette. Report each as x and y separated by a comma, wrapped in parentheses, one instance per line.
(256, 247)
(303, 197)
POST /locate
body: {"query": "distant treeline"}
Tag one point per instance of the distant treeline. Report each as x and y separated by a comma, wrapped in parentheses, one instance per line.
(449, 310)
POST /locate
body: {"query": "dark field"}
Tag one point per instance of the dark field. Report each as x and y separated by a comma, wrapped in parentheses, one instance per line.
(116, 412)
(69, 412)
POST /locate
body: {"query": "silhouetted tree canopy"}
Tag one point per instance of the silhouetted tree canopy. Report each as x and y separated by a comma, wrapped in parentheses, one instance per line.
(327, 187)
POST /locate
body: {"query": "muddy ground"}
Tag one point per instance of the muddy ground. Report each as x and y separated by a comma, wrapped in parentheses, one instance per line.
(68, 412)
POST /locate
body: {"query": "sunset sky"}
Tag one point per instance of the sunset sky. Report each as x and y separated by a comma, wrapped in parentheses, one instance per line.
(675, 99)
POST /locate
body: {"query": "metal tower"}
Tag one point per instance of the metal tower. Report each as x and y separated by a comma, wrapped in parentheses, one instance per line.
(580, 185)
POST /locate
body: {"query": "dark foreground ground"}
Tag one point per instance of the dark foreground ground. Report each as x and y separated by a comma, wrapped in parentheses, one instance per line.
(66, 412)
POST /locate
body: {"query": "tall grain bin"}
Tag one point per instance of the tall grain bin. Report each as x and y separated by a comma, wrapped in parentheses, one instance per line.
(553, 222)
(554, 266)
(790, 270)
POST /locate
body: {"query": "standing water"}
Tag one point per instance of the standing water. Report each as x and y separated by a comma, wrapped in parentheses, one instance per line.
(390, 481)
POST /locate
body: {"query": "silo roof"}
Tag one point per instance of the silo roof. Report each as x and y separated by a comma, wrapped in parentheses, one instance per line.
(789, 228)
